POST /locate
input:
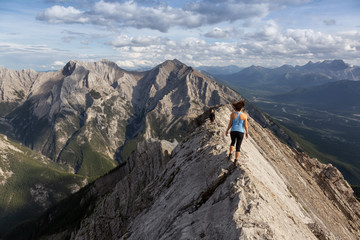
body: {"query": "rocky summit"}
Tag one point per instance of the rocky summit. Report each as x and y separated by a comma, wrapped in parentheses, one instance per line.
(193, 191)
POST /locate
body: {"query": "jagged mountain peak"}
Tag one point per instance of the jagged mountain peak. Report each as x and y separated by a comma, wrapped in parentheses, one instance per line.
(273, 192)
(254, 68)
(99, 66)
(337, 65)
(174, 62)
(69, 68)
(175, 68)
(332, 65)
(172, 66)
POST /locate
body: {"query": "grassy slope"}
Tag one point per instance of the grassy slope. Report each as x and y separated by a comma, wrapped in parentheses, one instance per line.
(30, 172)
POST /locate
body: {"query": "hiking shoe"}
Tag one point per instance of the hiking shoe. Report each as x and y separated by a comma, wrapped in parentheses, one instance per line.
(235, 161)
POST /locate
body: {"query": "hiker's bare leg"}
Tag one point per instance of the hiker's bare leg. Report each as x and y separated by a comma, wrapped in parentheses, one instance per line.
(237, 155)
(231, 149)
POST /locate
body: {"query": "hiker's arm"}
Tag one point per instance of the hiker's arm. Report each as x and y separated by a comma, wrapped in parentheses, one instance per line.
(246, 127)
(229, 126)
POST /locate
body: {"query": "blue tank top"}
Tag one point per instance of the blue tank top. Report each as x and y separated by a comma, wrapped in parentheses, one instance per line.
(237, 124)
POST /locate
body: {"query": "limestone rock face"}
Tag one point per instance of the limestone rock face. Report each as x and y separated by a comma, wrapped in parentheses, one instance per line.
(70, 115)
(177, 95)
(19, 86)
(273, 192)
(14, 87)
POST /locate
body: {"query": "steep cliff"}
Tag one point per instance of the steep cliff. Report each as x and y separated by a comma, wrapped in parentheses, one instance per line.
(273, 192)
(14, 87)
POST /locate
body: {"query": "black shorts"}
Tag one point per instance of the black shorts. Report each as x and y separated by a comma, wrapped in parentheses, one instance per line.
(238, 137)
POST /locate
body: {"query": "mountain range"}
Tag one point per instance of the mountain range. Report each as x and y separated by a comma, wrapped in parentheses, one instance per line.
(83, 115)
(339, 96)
(77, 124)
(269, 81)
(217, 70)
(86, 118)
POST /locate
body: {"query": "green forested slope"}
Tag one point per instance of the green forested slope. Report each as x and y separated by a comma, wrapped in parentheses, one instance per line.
(30, 183)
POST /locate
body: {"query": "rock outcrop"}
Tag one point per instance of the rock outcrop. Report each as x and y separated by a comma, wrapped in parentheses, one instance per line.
(273, 192)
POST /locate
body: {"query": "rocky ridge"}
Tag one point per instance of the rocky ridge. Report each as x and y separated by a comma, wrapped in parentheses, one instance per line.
(273, 192)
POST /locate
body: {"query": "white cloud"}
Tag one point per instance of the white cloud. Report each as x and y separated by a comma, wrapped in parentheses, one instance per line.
(134, 64)
(14, 48)
(125, 40)
(58, 64)
(60, 14)
(192, 42)
(130, 14)
(217, 32)
(126, 64)
(22, 56)
(270, 43)
(228, 11)
(159, 17)
(302, 43)
(268, 31)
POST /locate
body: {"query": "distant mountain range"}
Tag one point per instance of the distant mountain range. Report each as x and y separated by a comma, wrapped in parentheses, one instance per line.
(217, 70)
(340, 96)
(268, 81)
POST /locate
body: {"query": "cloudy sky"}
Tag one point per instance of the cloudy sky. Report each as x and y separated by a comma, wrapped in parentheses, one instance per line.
(45, 34)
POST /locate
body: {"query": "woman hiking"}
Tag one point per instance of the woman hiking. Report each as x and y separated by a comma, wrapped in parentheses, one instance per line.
(238, 125)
